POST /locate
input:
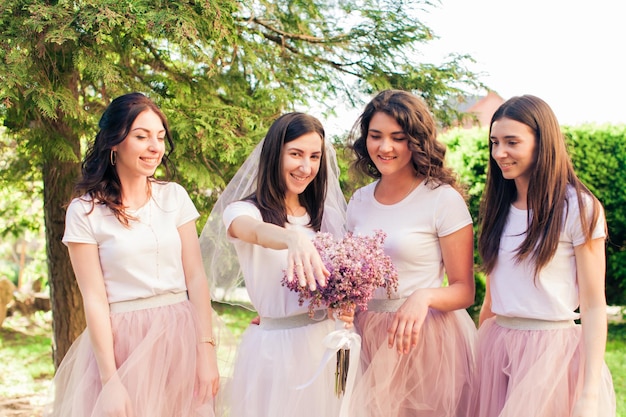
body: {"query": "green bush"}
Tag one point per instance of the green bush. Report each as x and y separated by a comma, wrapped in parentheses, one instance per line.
(467, 154)
(599, 157)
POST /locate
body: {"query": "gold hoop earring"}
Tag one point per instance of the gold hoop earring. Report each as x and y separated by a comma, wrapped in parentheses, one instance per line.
(113, 157)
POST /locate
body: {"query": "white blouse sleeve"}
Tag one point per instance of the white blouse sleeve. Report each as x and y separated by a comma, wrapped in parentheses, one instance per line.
(77, 226)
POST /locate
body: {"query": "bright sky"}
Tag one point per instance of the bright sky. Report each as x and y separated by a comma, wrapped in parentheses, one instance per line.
(571, 53)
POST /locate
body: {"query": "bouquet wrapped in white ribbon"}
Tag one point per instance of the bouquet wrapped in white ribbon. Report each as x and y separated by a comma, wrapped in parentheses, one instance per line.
(358, 266)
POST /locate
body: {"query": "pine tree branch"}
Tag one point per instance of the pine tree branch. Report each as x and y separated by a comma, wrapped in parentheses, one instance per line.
(295, 36)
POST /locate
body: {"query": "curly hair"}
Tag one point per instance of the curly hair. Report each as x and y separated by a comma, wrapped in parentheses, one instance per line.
(418, 124)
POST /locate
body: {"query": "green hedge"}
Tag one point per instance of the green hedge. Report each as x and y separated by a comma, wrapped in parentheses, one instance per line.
(599, 156)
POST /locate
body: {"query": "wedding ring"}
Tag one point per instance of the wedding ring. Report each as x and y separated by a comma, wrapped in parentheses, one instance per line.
(297, 264)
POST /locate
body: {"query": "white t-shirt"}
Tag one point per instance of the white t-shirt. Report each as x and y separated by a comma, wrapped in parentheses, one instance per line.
(413, 227)
(554, 294)
(144, 259)
(263, 268)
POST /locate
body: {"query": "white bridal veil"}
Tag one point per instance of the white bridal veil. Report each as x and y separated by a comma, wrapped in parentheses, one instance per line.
(219, 255)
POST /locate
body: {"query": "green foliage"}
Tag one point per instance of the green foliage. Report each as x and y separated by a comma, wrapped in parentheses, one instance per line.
(222, 71)
(22, 250)
(25, 355)
(614, 357)
(236, 318)
(599, 156)
(468, 152)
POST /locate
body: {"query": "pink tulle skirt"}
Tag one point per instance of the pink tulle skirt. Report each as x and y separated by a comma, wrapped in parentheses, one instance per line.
(433, 380)
(155, 351)
(533, 372)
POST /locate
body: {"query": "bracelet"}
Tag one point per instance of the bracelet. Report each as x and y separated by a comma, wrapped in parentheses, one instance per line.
(210, 340)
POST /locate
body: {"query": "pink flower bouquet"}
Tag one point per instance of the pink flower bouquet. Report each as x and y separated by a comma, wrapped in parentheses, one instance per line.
(358, 266)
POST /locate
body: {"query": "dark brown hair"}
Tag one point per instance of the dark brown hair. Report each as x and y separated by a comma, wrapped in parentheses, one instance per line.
(269, 196)
(99, 177)
(418, 124)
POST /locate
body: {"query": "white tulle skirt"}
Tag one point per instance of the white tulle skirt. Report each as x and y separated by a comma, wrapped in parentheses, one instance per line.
(272, 361)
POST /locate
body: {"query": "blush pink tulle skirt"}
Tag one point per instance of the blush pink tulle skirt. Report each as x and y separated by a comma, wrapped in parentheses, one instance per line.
(533, 368)
(434, 379)
(155, 351)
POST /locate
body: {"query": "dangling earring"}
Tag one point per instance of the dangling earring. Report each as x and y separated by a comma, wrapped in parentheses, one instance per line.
(113, 157)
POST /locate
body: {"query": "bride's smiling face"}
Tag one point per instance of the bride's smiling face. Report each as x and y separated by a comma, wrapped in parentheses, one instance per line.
(301, 161)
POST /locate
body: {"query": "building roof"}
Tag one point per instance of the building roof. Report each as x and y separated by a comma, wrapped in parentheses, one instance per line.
(480, 109)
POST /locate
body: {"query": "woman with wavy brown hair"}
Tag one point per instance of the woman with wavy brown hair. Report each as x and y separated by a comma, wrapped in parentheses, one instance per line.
(417, 349)
(148, 349)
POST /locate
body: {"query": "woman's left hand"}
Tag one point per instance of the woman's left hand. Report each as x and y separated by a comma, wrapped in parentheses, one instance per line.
(344, 314)
(207, 375)
(586, 406)
(407, 322)
(304, 262)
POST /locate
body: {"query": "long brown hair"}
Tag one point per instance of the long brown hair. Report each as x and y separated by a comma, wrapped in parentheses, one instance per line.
(418, 124)
(547, 187)
(99, 177)
(269, 196)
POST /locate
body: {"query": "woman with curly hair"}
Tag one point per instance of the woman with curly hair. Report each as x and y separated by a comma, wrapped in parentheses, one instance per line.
(148, 349)
(417, 349)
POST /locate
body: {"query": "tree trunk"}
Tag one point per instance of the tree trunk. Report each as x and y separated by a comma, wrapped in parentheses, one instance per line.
(67, 308)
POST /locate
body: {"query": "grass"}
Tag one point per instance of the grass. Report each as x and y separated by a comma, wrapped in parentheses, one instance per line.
(26, 365)
(25, 356)
(236, 318)
(614, 356)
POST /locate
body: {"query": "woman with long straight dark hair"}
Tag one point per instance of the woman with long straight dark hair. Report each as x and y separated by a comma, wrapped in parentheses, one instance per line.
(286, 191)
(542, 237)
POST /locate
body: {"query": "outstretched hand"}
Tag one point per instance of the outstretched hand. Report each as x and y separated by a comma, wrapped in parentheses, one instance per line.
(305, 263)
